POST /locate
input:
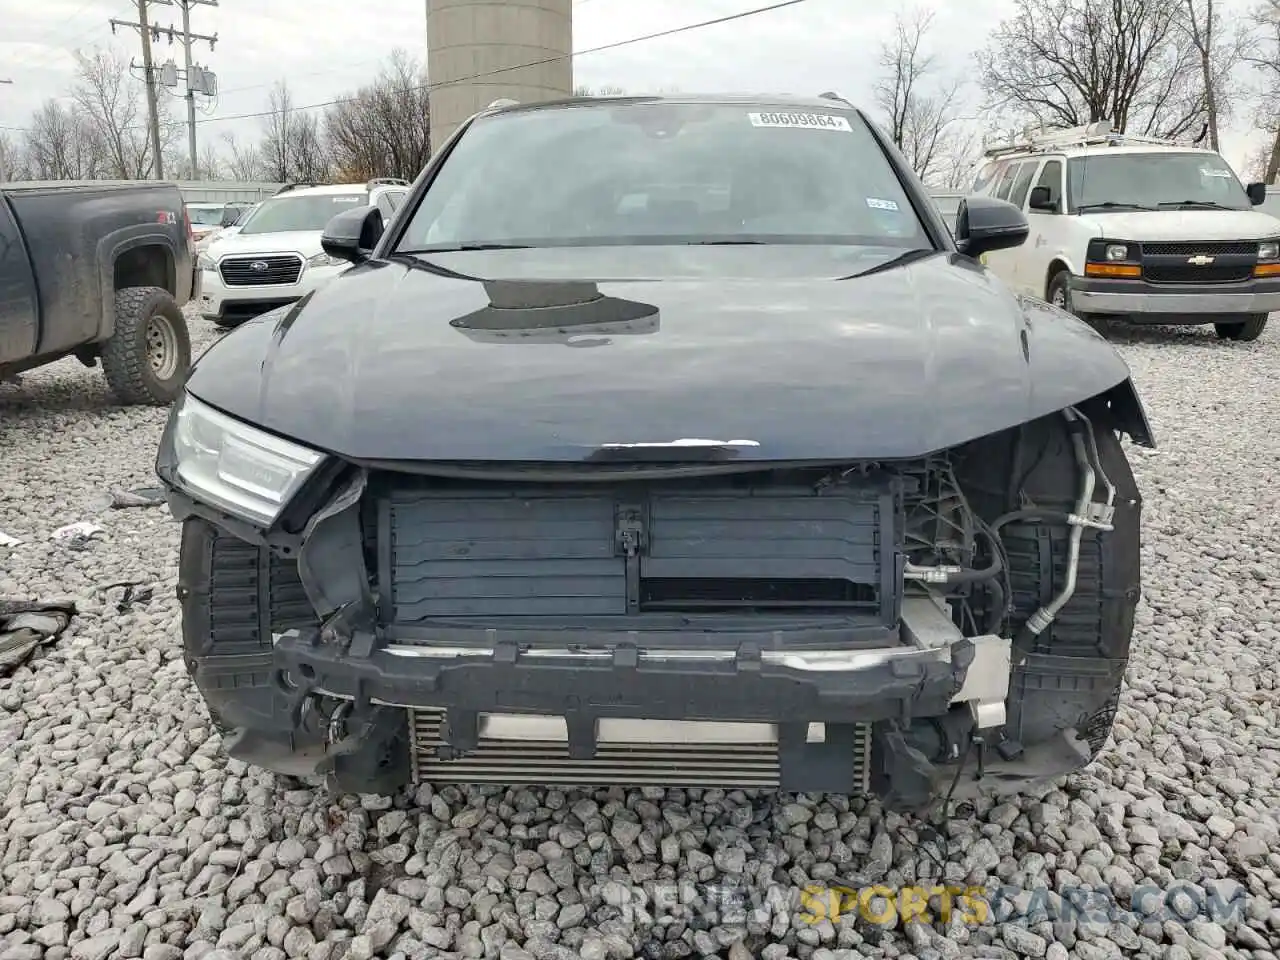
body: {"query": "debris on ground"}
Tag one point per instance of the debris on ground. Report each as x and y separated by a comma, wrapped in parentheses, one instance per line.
(138, 497)
(28, 624)
(77, 535)
(135, 592)
(8, 541)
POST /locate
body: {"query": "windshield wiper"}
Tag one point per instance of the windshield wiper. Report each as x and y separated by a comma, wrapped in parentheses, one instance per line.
(721, 243)
(1206, 204)
(461, 247)
(1111, 205)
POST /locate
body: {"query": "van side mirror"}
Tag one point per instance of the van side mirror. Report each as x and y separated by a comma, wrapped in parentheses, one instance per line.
(352, 234)
(984, 224)
(1042, 200)
(1257, 193)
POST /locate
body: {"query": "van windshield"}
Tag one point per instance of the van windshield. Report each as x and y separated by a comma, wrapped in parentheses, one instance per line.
(1154, 180)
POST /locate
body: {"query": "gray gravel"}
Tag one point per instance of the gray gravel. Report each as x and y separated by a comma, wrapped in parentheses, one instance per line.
(123, 833)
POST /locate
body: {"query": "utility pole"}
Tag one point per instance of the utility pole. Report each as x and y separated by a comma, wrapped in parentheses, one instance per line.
(197, 79)
(149, 75)
(187, 37)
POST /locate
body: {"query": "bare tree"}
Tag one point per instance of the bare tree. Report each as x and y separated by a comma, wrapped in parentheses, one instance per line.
(60, 145)
(1219, 49)
(242, 163)
(920, 105)
(1264, 57)
(292, 149)
(1063, 63)
(384, 129)
(111, 102)
(13, 162)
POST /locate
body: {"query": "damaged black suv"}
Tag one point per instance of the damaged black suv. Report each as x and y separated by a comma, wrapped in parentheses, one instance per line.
(662, 440)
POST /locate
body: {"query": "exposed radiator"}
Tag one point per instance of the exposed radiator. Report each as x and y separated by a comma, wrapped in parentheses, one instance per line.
(732, 764)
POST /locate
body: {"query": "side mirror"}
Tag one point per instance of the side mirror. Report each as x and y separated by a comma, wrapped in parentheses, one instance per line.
(1257, 193)
(229, 217)
(352, 234)
(1042, 199)
(984, 224)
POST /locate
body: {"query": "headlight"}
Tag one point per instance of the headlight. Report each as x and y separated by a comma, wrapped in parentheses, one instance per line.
(324, 260)
(234, 466)
(1269, 250)
(1117, 251)
(206, 262)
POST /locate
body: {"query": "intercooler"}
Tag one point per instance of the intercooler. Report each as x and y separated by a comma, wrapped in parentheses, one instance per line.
(686, 754)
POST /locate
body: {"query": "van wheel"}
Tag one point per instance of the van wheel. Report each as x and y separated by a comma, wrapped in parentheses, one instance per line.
(1248, 331)
(1059, 294)
(147, 358)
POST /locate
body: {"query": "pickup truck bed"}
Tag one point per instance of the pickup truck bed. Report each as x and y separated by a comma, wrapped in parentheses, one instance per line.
(98, 270)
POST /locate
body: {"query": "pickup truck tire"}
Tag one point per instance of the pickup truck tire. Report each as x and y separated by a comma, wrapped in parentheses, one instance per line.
(1248, 331)
(1058, 293)
(147, 358)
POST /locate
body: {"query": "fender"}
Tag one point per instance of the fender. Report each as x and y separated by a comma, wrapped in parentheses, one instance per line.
(112, 247)
(1071, 362)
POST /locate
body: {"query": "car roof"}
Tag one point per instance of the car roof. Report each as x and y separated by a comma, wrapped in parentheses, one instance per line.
(1101, 150)
(328, 189)
(827, 102)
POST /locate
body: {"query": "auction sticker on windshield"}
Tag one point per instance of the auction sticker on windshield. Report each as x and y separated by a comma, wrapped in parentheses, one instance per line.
(810, 121)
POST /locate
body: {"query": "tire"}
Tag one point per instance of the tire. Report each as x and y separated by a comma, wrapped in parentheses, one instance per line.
(147, 358)
(1246, 332)
(1058, 293)
(1073, 675)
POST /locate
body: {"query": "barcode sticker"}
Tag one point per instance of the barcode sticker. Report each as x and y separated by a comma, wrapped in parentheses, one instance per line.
(801, 121)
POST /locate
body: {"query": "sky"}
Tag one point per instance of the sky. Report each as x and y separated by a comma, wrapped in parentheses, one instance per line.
(326, 48)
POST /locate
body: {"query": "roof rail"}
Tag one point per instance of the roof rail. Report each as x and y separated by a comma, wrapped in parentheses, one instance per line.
(294, 186)
(1100, 132)
(396, 181)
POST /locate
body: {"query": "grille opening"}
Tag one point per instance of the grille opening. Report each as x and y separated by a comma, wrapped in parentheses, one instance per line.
(739, 593)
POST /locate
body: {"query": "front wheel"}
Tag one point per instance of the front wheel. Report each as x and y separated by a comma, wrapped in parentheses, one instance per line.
(1248, 331)
(147, 358)
(1059, 294)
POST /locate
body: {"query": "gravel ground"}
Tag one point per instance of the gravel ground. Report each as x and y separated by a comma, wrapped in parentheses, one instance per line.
(123, 833)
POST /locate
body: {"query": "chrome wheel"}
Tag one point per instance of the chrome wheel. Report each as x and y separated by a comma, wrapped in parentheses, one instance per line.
(162, 347)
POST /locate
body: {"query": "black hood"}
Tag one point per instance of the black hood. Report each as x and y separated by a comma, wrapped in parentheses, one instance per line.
(405, 361)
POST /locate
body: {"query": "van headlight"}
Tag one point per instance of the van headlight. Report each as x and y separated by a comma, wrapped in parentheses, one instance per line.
(1269, 250)
(228, 464)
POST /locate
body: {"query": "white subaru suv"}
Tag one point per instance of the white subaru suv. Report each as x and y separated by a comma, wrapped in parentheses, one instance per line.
(275, 257)
(1136, 228)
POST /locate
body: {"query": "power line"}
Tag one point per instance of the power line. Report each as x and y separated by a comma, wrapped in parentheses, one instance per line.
(195, 78)
(534, 63)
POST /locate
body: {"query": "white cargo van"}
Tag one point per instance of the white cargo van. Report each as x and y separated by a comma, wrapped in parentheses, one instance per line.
(1136, 228)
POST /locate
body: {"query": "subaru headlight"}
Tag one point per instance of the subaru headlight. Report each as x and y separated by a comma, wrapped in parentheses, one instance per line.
(206, 262)
(231, 465)
(1117, 251)
(1269, 250)
(324, 260)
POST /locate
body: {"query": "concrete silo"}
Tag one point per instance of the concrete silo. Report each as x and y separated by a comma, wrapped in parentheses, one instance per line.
(470, 37)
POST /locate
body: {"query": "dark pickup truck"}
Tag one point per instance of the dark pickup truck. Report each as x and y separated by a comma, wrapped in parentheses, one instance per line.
(99, 271)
